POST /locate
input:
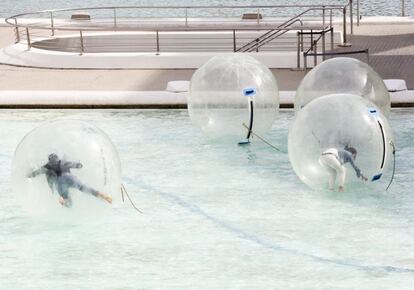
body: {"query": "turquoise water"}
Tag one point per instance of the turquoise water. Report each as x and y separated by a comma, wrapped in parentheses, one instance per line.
(368, 7)
(216, 216)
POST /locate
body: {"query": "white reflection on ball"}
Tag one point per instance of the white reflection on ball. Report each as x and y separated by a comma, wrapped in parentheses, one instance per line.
(343, 75)
(330, 125)
(232, 90)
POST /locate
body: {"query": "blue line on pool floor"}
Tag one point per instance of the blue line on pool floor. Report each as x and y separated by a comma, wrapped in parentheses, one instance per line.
(267, 244)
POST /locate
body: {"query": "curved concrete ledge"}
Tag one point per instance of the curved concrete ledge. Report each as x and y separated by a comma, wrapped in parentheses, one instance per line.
(103, 99)
(19, 55)
(92, 99)
(133, 99)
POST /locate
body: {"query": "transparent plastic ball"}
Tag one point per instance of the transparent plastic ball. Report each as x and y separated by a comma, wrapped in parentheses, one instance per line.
(343, 75)
(229, 91)
(328, 125)
(66, 170)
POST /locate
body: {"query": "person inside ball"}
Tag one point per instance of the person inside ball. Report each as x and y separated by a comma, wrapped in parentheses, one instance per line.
(60, 178)
(334, 160)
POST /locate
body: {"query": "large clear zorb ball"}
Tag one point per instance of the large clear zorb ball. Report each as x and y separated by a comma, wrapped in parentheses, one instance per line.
(231, 94)
(328, 125)
(343, 75)
(66, 170)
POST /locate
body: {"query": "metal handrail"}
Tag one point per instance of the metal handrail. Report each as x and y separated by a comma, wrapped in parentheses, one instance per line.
(13, 19)
(116, 24)
(177, 7)
(314, 43)
(267, 37)
(359, 10)
(335, 53)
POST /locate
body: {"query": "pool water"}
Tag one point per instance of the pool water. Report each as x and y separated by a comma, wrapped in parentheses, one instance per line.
(215, 216)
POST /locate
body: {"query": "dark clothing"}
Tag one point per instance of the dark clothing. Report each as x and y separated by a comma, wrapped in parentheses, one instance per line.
(59, 178)
(60, 167)
(346, 157)
(67, 181)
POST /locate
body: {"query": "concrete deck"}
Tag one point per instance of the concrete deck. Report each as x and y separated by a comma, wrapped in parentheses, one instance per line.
(391, 49)
(391, 54)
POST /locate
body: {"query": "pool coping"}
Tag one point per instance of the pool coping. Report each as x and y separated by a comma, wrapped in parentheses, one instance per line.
(135, 99)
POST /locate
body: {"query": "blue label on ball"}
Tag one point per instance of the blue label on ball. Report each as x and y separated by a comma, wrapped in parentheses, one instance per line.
(373, 111)
(249, 92)
(376, 177)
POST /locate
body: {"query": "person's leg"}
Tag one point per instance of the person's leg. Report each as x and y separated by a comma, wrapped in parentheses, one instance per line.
(63, 191)
(341, 177)
(340, 172)
(331, 163)
(76, 183)
(51, 181)
(332, 178)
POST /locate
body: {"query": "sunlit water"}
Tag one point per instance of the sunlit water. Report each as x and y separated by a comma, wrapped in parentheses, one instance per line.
(216, 216)
(368, 7)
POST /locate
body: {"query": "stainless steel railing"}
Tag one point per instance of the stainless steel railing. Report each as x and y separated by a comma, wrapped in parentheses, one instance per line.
(315, 54)
(113, 21)
(402, 4)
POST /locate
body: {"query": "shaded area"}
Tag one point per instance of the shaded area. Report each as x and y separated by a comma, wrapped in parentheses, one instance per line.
(391, 49)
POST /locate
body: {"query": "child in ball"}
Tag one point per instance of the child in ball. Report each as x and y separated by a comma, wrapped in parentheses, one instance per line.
(334, 160)
(59, 177)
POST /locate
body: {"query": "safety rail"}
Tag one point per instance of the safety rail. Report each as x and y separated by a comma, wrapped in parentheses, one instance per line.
(270, 35)
(163, 41)
(184, 22)
(334, 53)
(314, 44)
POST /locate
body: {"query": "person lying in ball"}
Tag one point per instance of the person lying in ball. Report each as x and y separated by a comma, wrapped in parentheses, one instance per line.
(60, 178)
(334, 160)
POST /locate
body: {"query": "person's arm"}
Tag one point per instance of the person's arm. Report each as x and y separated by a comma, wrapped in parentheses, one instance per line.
(37, 172)
(357, 170)
(73, 165)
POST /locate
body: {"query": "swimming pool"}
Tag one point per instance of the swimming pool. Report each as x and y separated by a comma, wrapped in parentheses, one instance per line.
(216, 216)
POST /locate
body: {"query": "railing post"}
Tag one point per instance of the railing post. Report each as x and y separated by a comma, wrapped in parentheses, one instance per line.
(29, 44)
(16, 31)
(323, 16)
(298, 55)
(358, 13)
(351, 15)
(311, 38)
(367, 53)
(158, 44)
(315, 52)
(330, 18)
(186, 16)
(323, 45)
(305, 62)
(115, 19)
(345, 42)
(81, 42)
(332, 38)
(402, 8)
(234, 40)
(52, 24)
(301, 40)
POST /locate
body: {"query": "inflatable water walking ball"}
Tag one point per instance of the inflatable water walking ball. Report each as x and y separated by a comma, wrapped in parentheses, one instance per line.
(331, 123)
(66, 170)
(231, 94)
(343, 75)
